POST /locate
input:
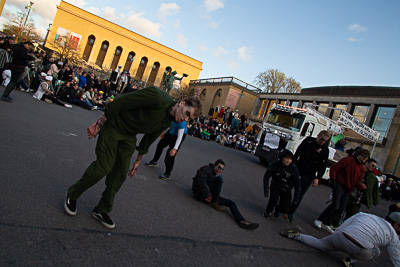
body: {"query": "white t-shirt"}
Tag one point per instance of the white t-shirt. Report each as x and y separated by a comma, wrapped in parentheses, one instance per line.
(373, 232)
(40, 92)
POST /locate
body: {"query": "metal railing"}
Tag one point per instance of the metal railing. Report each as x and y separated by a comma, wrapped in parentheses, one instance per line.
(5, 57)
(228, 80)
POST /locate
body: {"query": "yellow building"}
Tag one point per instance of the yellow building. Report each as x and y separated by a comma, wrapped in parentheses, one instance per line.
(226, 91)
(107, 45)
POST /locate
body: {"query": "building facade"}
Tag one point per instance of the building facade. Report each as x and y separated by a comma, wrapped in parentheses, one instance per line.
(225, 92)
(376, 106)
(106, 45)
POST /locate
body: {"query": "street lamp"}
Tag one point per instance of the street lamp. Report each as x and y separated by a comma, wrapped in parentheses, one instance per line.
(26, 19)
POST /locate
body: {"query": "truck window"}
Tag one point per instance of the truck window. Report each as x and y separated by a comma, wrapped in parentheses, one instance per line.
(293, 122)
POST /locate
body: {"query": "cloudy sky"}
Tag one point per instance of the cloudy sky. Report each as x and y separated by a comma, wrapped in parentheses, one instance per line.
(316, 42)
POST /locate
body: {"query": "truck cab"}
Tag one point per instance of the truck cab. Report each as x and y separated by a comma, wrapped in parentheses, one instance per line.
(286, 127)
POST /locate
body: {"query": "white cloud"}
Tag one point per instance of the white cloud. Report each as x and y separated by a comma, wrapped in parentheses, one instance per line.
(181, 40)
(167, 10)
(214, 24)
(357, 28)
(203, 48)
(143, 25)
(93, 10)
(353, 39)
(109, 13)
(219, 51)
(212, 5)
(244, 53)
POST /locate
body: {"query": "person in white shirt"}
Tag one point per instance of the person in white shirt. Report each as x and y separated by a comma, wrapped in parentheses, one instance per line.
(45, 93)
(360, 237)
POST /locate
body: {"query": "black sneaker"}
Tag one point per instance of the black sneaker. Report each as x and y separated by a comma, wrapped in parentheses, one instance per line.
(151, 163)
(289, 218)
(267, 215)
(245, 224)
(70, 206)
(103, 218)
(6, 99)
(165, 177)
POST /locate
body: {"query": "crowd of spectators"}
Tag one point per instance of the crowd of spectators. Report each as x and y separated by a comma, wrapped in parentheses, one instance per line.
(69, 84)
(227, 129)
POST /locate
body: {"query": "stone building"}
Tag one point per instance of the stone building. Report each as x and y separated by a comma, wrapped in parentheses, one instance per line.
(106, 45)
(376, 106)
(226, 91)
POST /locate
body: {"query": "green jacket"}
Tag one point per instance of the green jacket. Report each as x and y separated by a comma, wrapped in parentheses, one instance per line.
(372, 190)
(145, 111)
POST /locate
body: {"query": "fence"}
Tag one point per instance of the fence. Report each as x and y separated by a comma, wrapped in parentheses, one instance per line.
(5, 57)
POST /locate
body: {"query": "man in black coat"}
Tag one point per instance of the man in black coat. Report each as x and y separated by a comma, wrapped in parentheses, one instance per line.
(21, 57)
(311, 158)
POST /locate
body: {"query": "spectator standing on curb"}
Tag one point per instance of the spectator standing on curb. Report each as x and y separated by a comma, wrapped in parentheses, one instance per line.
(21, 57)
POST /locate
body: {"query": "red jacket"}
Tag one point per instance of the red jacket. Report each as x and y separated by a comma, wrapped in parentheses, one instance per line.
(348, 173)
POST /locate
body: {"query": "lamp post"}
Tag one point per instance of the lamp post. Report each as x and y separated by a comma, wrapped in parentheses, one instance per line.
(47, 34)
(26, 19)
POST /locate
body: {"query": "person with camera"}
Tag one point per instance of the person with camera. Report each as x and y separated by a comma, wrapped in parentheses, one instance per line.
(22, 54)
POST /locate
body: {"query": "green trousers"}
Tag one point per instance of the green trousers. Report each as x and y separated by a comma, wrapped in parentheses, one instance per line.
(113, 155)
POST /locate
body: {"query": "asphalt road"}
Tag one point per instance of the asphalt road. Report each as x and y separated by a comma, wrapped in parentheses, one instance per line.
(44, 149)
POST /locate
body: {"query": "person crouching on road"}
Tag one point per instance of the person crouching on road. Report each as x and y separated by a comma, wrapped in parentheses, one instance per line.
(285, 177)
(207, 186)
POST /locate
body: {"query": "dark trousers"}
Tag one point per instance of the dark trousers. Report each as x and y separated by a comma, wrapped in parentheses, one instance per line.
(280, 196)
(16, 76)
(305, 182)
(168, 140)
(215, 185)
(113, 156)
(53, 98)
(340, 196)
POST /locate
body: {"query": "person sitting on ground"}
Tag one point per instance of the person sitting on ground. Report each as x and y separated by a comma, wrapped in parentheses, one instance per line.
(285, 177)
(360, 237)
(207, 186)
(47, 95)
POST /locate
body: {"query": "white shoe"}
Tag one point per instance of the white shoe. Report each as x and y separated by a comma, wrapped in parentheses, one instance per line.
(318, 224)
(327, 228)
(29, 90)
(67, 106)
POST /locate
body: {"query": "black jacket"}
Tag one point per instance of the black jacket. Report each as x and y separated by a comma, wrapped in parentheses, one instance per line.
(199, 185)
(20, 56)
(311, 158)
(283, 178)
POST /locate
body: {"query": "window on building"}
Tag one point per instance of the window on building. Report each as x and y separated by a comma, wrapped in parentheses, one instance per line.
(336, 113)
(383, 119)
(294, 104)
(323, 108)
(269, 106)
(360, 113)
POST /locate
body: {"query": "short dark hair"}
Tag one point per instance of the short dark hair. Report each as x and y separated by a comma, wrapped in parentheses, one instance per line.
(363, 152)
(219, 161)
(29, 43)
(194, 102)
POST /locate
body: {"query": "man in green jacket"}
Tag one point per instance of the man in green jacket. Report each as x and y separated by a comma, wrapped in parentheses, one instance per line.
(370, 196)
(148, 111)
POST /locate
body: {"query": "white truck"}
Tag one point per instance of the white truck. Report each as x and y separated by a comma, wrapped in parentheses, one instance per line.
(286, 127)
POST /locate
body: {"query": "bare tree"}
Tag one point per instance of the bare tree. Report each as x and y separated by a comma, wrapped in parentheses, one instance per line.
(65, 47)
(275, 81)
(14, 27)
